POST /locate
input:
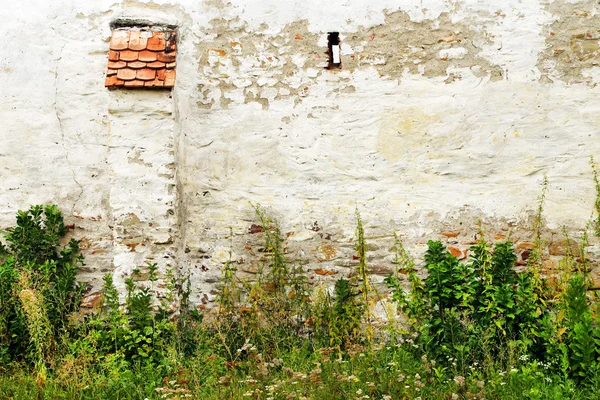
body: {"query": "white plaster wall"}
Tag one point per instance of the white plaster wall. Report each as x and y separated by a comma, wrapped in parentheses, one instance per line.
(415, 149)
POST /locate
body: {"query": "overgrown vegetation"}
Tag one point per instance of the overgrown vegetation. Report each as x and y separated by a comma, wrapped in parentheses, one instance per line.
(474, 329)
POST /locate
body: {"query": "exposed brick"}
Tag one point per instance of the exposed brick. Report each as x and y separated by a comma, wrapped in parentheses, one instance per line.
(525, 245)
(326, 252)
(92, 300)
(456, 252)
(585, 49)
(324, 272)
(451, 234)
(380, 270)
(560, 247)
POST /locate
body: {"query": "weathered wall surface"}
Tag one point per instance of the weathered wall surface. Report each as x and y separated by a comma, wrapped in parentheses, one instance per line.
(443, 113)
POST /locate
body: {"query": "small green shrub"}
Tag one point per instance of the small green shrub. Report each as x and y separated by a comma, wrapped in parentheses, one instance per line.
(346, 315)
(141, 330)
(582, 337)
(37, 277)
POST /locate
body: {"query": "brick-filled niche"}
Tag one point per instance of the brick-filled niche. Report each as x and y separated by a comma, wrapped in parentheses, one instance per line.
(142, 57)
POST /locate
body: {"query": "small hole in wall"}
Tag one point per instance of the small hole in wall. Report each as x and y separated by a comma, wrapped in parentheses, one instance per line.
(333, 44)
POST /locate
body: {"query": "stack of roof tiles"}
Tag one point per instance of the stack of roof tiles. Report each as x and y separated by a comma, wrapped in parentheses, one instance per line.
(142, 59)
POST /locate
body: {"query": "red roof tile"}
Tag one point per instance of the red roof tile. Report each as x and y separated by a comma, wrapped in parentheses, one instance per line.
(148, 55)
(142, 58)
(155, 83)
(134, 83)
(171, 46)
(113, 55)
(113, 81)
(120, 40)
(136, 64)
(156, 65)
(128, 55)
(137, 41)
(157, 42)
(126, 74)
(164, 57)
(117, 64)
(146, 74)
(170, 77)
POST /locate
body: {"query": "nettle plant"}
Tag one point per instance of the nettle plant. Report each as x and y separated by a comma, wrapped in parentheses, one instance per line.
(462, 311)
(460, 307)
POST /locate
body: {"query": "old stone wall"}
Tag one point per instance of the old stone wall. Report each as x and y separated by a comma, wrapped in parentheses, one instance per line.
(443, 115)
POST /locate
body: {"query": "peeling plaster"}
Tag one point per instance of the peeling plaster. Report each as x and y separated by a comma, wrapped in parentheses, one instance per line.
(573, 51)
(243, 66)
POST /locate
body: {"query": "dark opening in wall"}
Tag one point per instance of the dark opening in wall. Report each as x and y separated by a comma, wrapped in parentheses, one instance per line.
(335, 56)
